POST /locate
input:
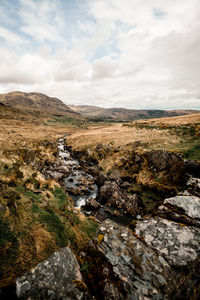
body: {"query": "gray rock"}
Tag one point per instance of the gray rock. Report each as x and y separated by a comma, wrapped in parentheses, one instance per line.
(179, 244)
(182, 208)
(189, 204)
(129, 268)
(54, 278)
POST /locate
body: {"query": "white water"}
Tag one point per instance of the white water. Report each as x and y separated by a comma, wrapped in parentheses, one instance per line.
(73, 180)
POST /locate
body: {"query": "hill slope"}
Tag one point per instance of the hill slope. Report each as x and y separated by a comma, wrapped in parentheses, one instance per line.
(35, 101)
(127, 114)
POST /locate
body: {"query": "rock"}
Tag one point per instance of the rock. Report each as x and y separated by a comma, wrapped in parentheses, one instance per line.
(182, 208)
(55, 175)
(111, 195)
(29, 156)
(193, 186)
(92, 204)
(101, 179)
(99, 146)
(192, 167)
(115, 175)
(55, 278)
(131, 206)
(180, 245)
(125, 268)
(160, 160)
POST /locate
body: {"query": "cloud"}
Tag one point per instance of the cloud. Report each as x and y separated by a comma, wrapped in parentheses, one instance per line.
(10, 36)
(133, 53)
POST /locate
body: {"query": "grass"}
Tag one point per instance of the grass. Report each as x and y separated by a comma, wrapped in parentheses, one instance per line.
(193, 152)
(36, 223)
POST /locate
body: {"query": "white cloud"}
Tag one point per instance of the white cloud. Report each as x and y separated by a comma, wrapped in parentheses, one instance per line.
(10, 36)
(133, 53)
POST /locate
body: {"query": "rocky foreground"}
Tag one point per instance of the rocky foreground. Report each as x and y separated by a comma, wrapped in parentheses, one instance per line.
(153, 255)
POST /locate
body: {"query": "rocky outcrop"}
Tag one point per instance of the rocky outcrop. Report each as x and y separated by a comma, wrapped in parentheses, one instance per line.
(56, 278)
(179, 244)
(192, 167)
(160, 160)
(182, 208)
(126, 268)
(111, 195)
(193, 186)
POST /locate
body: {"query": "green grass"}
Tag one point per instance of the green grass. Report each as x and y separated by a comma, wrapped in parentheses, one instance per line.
(193, 152)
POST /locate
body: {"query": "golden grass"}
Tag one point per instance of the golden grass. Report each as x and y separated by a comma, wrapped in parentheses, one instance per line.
(122, 136)
(179, 120)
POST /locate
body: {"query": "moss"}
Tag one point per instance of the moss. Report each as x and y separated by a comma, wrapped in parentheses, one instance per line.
(89, 227)
(34, 220)
(193, 152)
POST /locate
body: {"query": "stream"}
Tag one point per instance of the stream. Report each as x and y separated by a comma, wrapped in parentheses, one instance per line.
(79, 185)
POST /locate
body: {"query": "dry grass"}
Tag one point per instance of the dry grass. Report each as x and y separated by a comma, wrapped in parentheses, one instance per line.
(180, 120)
(122, 136)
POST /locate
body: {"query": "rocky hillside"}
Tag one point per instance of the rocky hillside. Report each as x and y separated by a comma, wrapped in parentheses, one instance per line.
(35, 102)
(127, 114)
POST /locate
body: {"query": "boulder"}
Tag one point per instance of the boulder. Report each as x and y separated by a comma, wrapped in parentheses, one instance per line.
(29, 156)
(193, 186)
(55, 278)
(179, 244)
(125, 267)
(160, 160)
(192, 167)
(160, 260)
(111, 195)
(92, 204)
(182, 208)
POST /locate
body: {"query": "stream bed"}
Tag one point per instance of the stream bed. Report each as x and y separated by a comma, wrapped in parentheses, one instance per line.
(79, 185)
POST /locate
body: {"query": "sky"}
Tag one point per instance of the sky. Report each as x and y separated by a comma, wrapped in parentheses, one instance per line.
(139, 54)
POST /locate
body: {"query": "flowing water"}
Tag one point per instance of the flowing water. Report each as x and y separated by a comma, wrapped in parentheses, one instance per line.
(79, 185)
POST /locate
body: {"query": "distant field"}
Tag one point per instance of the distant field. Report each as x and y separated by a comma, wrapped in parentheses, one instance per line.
(181, 134)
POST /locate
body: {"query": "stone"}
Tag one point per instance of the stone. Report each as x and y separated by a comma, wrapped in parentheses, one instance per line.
(192, 167)
(161, 159)
(183, 208)
(126, 268)
(55, 278)
(92, 204)
(179, 244)
(29, 156)
(99, 146)
(189, 204)
(111, 195)
(193, 186)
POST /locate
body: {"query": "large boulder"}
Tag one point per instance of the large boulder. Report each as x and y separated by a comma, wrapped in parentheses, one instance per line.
(160, 260)
(56, 278)
(160, 160)
(111, 195)
(182, 208)
(179, 244)
(126, 268)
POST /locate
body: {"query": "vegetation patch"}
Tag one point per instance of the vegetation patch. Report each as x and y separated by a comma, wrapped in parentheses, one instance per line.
(36, 219)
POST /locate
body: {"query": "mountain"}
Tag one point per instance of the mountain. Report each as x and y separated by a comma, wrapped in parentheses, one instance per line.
(127, 114)
(35, 102)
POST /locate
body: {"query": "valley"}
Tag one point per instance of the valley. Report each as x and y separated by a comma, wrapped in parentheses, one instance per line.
(117, 203)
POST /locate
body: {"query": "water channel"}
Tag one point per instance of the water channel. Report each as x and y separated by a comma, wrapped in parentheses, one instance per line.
(79, 185)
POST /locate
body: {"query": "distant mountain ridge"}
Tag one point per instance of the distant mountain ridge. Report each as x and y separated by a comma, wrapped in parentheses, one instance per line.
(125, 114)
(35, 102)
